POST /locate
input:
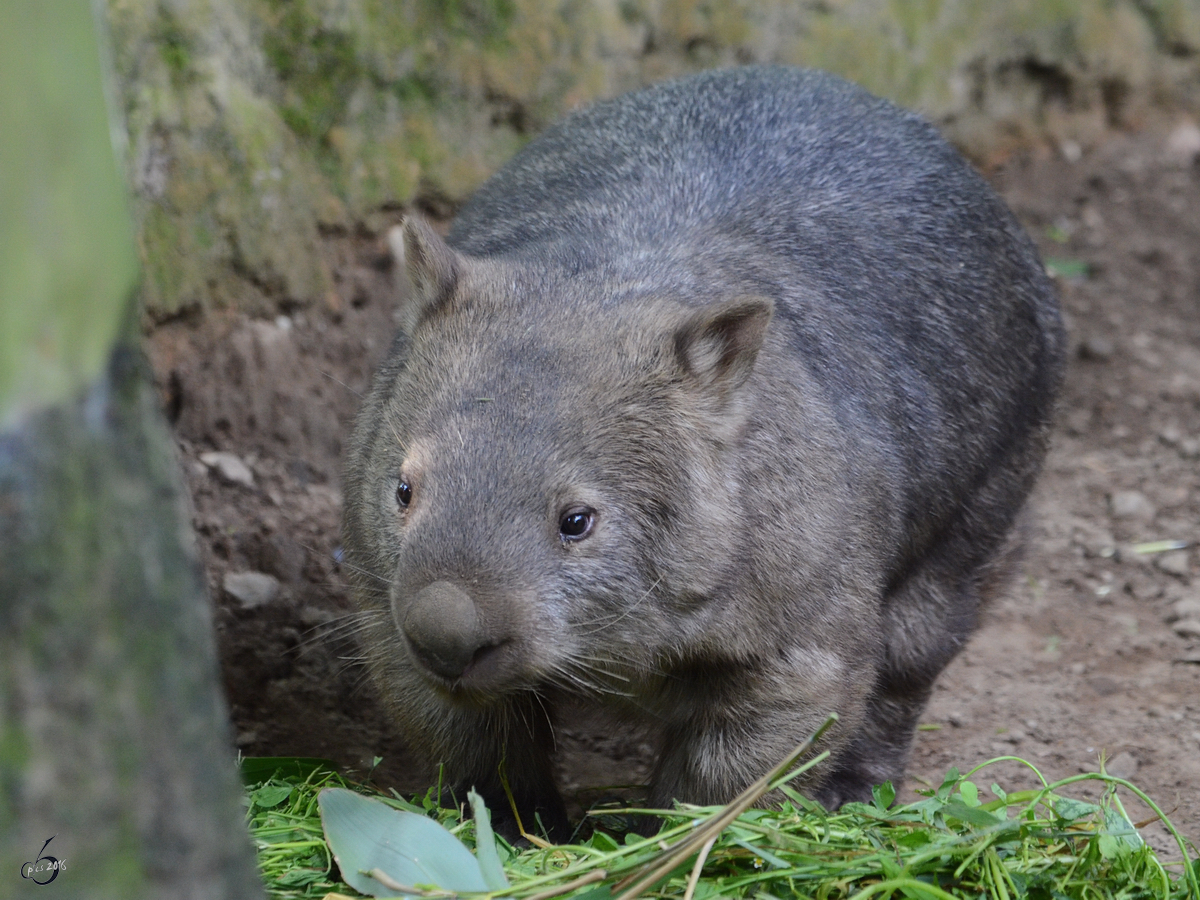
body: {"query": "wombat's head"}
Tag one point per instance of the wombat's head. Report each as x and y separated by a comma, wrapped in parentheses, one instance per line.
(540, 488)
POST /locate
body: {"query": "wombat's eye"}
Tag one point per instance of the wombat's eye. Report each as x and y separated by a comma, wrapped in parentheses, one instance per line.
(403, 493)
(576, 523)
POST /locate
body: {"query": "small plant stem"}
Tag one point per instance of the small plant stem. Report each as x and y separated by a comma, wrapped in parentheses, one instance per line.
(698, 867)
(590, 878)
(393, 885)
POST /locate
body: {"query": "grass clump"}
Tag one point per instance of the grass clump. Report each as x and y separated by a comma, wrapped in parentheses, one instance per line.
(1040, 844)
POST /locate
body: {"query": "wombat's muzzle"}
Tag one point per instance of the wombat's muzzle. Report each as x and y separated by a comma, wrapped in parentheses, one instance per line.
(444, 631)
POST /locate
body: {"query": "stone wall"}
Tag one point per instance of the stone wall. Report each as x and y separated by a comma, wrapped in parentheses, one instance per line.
(254, 124)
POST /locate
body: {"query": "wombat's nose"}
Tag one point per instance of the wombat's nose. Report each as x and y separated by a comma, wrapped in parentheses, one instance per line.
(443, 629)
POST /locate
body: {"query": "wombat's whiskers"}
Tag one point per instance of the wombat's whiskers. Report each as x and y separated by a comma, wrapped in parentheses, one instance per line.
(366, 572)
(336, 380)
(334, 631)
(396, 434)
(351, 625)
(591, 676)
(603, 622)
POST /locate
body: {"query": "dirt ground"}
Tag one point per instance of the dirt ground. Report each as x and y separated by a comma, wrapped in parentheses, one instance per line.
(1094, 652)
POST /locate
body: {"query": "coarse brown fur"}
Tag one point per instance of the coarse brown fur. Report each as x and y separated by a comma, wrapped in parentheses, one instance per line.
(785, 362)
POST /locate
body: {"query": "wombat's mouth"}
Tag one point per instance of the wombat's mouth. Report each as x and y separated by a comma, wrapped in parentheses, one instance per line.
(488, 674)
(485, 662)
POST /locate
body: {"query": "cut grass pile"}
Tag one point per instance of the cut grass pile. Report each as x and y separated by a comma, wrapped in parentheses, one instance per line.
(1040, 844)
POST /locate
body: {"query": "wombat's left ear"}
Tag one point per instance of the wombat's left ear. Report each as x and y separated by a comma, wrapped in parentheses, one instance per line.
(431, 267)
(718, 344)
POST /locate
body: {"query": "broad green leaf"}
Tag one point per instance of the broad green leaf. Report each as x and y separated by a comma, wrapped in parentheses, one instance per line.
(980, 818)
(412, 850)
(485, 844)
(1121, 830)
(603, 842)
(948, 783)
(883, 794)
(970, 793)
(271, 795)
(914, 839)
(1074, 809)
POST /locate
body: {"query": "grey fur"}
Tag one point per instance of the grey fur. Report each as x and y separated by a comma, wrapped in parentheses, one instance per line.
(798, 359)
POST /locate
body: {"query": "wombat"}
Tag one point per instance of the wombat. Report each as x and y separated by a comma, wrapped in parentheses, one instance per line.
(718, 406)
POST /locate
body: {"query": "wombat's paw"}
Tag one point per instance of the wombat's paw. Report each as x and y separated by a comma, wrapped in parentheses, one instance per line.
(545, 818)
(843, 787)
(550, 825)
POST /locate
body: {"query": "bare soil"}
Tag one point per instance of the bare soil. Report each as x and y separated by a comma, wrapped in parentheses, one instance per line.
(1084, 657)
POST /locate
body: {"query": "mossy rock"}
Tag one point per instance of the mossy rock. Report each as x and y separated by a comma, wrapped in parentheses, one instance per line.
(254, 122)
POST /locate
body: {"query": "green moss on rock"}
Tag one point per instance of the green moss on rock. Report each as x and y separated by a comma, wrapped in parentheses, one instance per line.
(253, 120)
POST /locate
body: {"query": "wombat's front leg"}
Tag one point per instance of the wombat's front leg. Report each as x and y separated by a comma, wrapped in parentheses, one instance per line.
(715, 754)
(509, 743)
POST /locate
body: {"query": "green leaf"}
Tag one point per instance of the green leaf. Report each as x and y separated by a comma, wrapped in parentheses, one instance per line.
(883, 794)
(485, 844)
(1071, 810)
(948, 783)
(1121, 830)
(603, 842)
(980, 818)
(914, 839)
(271, 795)
(300, 877)
(891, 868)
(970, 793)
(413, 850)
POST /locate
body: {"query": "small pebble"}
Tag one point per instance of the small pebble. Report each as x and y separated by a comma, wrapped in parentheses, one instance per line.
(1170, 435)
(229, 467)
(1131, 505)
(1187, 628)
(251, 589)
(1078, 421)
(1187, 608)
(1097, 349)
(1175, 562)
(1183, 144)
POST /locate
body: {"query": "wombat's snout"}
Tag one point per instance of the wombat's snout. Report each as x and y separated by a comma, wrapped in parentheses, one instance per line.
(443, 628)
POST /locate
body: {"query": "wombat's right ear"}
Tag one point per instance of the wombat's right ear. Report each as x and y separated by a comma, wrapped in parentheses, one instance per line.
(718, 345)
(430, 265)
